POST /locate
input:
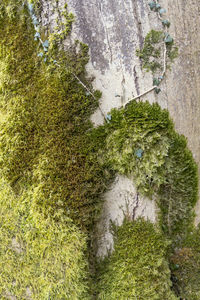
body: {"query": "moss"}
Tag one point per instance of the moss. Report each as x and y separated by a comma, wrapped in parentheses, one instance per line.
(151, 52)
(172, 52)
(64, 24)
(45, 136)
(55, 165)
(139, 126)
(178, 194)
(41, 256)
(185, 265)
(164, 168)
(138, 268)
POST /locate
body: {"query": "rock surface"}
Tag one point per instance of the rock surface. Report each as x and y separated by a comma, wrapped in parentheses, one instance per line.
(122, 200)
(114, 29)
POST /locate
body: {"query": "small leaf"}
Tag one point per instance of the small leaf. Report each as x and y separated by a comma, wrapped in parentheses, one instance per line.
(37, 35)
(139, 153)
(166, 23)
(162, 11)
(168, 39)
(156, 81)
(46, 44)
(152, 5)
(157, 90)
(158, 6)
(40, 54)
(108, 117)
(35, 21)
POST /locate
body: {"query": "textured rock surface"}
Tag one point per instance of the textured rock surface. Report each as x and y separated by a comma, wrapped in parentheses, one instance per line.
(122, 200)
(114, 29)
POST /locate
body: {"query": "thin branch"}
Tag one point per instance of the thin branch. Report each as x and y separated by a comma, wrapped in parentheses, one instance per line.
(161, 77)
(89, 93)
(164, 60)
(146, 92)
(83, 85)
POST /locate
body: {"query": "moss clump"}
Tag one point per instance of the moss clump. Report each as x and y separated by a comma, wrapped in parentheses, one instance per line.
(178, 195)
(143, 127)
(142, 144)
(152, 50)
(137, 269)
(185, 265)
(37, 254)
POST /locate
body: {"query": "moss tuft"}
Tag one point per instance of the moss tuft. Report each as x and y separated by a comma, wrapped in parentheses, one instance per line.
(137, 269)
(185, 266)
(152, 50)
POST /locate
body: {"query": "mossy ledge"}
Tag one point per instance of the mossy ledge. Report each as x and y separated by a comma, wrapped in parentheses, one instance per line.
(55, 167)
(138, 267)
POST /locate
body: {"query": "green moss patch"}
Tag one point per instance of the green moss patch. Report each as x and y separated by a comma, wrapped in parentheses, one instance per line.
(137, 269)
(185, 265)
(45, 136)
(39, 257)
(142, 144)
(55, 166)
(152, 51)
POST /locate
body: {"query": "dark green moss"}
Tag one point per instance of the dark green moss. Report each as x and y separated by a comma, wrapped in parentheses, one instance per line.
(151, 53)
(185, 266)
(178, 195)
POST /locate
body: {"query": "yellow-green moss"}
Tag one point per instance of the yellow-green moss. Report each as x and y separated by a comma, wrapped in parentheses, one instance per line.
(44, 132)
(55, 166)
(37, 254)
(138, 268)
(49, 166)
